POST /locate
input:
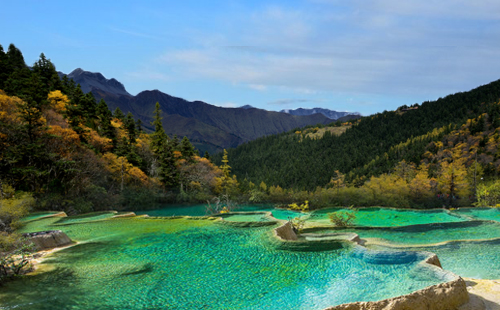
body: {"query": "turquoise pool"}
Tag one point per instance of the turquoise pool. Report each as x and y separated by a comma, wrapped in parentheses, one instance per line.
(37, 215)
(491, 214)
(140, 263)
(88, 217)
(384, 217)
(200, 210)
(246, 217)
(430, 233)
(473, 259)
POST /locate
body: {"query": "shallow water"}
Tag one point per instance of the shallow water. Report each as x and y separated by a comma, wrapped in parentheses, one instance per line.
(37, 215)
(491, 214)
(89, 217)
(200, 210)
(473, 259)
(134, 263)
(251, 217)
(480, 260)
(433, 233)
(382, 217)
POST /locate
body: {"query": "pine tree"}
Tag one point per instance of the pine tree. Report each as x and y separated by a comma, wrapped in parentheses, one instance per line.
(15, 58)
(125, 149)
(187, 149)
(138, 124)
(89, 108)
(17, 82)
(207, 156)
(129, 124)
(163, 150)
(159, 138)
(47, 71)
(75, 112)
(175, 143)
(4, 73)
(169, 174)
(68, 86)
(104, 115)
(118, 114)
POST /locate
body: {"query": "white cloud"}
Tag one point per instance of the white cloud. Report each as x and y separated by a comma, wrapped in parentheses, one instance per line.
(370, 47)
(148, 75)
(464, 9)
(227, 105)
(257, 87)
(289, 102)
(134, 33)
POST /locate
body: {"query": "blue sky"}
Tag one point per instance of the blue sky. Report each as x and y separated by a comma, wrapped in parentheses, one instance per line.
(357, 55)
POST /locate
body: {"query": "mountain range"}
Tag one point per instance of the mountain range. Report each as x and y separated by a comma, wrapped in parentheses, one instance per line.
(334, 115)
(208, 127)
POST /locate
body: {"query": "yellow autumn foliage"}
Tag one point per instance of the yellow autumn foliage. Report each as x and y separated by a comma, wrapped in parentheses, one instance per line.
(62, 141)
(123, 171)
(102, 144)
(8, 108)
(58, 101)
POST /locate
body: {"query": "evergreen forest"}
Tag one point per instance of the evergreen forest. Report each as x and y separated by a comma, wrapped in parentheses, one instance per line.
(434, 154)
(62, 150)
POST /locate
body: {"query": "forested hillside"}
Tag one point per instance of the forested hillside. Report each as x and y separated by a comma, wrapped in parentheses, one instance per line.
(64, 151)
(372, 146)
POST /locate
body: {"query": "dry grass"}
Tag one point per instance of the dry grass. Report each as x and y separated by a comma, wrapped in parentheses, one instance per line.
(318, 133)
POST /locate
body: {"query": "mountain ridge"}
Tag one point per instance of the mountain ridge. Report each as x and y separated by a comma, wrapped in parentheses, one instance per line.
(211, 128)
(95, 80)
(334, 115)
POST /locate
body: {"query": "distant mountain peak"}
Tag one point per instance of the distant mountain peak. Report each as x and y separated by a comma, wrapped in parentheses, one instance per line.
(334, 115)
(77, 71)
(90, 81)
(247, 106)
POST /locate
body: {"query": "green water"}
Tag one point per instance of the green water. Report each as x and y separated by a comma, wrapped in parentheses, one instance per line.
(492, 214)
(434, 233)
(37, 215)
(134, 263)
(474, 256)
(380, 217)
(251, 217)
(89, 217)
(200, 210)
(479, 260)
(176, 210)
(473, 259)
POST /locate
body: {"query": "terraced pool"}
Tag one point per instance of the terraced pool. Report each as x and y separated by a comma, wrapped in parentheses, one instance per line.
(38, 215)
(200, 210)
(247, 217)
(199, 263)
(139, 263)
(489, 214)
(385, 217)
(428, 233)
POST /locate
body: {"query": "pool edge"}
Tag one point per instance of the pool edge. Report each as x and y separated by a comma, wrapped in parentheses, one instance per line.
(447, 295)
